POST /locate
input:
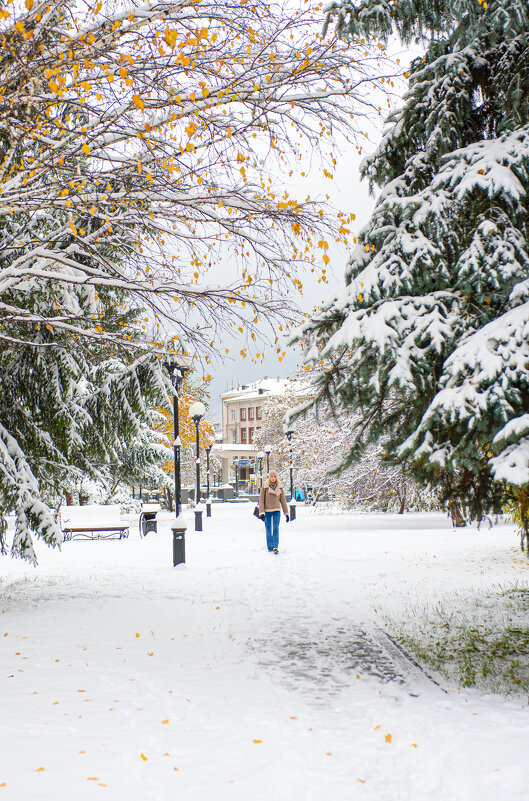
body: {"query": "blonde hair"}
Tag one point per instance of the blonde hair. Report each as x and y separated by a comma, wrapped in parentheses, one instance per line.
(278, 482)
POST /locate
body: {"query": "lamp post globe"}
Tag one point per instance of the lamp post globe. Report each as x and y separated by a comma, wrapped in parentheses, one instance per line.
(197, 410)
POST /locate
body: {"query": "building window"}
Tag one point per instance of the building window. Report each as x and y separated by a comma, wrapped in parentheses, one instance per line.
(258, 413)
(250, 435)
(233, 415)
(250, 413)
(234, 437)
(243, 435)
(243, 414)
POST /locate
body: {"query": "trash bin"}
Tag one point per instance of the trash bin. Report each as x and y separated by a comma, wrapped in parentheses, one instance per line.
(147, 522)
(198, 519)
(179, 545)
(292, 510)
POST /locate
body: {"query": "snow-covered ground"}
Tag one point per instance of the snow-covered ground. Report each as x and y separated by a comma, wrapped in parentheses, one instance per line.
(245, 676)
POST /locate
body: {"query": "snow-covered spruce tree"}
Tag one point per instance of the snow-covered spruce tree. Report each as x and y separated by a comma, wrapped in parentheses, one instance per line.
(68, 412)
(429, 340)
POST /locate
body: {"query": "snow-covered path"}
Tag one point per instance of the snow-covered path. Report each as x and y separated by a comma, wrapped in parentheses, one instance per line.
(243, 675)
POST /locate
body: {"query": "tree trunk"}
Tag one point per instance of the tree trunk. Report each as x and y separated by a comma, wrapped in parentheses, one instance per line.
(458, 521)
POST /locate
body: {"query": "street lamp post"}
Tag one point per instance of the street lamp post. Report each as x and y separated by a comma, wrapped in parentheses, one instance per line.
(177, 371)
(197, 410)
(177, 374)
(260, 457)
(289, 430)
(208, 499)
(268, 451)
(236, 468)
(208, 452)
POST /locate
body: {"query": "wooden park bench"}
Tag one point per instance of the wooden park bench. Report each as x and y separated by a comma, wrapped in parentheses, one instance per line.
(93, 522)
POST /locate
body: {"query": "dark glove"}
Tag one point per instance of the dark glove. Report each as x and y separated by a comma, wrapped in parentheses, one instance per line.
(287, 518)
(262, 517)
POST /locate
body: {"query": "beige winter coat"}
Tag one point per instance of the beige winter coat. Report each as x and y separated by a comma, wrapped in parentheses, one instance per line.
(272, 500)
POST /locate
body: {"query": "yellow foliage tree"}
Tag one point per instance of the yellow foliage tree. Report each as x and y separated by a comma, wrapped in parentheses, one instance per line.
(155, 130)
(206, 432)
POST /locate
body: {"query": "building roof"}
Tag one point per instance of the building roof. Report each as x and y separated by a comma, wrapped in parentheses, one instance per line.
(226, 446)
(256, 389)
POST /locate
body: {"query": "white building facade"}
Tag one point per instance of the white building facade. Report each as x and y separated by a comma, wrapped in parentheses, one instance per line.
(242, 417)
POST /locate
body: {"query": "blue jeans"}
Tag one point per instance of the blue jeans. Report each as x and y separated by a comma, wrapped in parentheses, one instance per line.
(272, 529)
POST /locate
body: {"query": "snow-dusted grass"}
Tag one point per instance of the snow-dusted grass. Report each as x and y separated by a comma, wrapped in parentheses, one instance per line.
(481, 641)
(243, 675)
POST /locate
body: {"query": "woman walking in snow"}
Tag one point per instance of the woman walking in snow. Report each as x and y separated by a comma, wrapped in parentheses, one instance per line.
(271, 501)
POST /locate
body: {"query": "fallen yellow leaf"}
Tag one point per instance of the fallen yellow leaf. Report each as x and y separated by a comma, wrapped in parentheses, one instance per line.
(377, 727)
(165, 721)
(137, 634)
(144, 757)
(39, 770)
(258, 741)
(388, 738)
(92, 778)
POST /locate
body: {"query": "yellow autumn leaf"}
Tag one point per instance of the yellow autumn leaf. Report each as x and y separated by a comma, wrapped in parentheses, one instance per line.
(138, 102)
(137, 634)
(388, 738)
(30, 4)
(165, 721)
(257, 741)
(170, 37)
(144, 757)
(85, 149)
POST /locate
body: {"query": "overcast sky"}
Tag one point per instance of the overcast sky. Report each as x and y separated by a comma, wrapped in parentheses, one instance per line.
(348, 194)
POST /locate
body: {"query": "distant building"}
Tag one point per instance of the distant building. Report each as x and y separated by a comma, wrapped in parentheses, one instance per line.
(242, 409)
(242, 417)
